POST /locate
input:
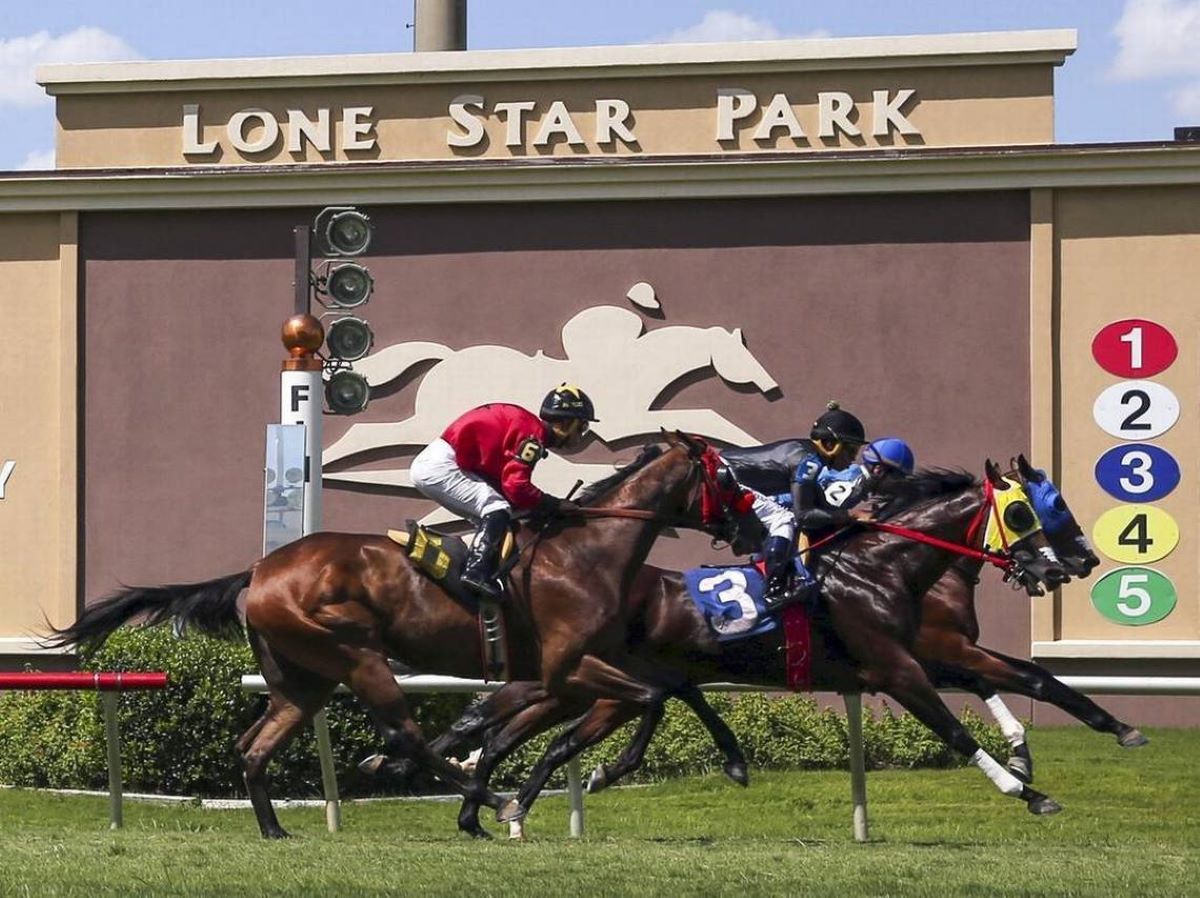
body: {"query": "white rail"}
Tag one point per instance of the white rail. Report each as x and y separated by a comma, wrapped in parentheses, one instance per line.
(858, 779)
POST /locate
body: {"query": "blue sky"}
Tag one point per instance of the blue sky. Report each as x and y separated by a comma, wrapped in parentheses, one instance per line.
(1135, 76)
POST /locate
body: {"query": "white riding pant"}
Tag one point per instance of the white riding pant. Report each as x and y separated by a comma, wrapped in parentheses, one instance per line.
(435, 472)
(778, 520)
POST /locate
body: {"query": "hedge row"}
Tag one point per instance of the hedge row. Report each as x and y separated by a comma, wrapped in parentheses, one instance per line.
(180, 740)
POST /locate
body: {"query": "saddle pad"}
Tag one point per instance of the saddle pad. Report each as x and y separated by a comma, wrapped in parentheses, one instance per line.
(439, 556)
(730, 599)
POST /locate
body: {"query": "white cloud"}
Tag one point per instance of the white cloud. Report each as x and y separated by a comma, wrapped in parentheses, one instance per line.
(19, 56)
(1158, 37)
(725, 25)
(38, 160)
(1186, 103)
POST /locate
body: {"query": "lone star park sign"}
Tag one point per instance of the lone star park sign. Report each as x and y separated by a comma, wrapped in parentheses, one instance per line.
(254, 130)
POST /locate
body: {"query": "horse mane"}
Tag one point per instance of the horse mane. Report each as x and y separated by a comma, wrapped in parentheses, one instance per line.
(594, 491)
(894, 495)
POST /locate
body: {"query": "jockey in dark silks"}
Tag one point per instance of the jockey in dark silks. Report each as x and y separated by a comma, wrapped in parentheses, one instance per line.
(790, 472)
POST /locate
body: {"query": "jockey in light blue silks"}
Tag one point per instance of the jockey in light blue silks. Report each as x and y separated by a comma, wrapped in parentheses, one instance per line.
(797, 473)
(825, 494)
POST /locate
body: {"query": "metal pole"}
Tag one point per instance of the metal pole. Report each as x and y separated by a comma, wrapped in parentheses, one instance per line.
(112, 737)
(575, 791)
(439, 25)
(303, 287)
(333, 807)
(858, 766)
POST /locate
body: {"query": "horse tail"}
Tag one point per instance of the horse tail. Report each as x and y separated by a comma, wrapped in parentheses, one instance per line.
(392, 361)
(210, 607)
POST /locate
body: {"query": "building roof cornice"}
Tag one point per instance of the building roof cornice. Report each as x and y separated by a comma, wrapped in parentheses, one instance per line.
(985, 48)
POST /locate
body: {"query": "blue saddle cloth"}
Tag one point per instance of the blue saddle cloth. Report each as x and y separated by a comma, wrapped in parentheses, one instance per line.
(730, 598)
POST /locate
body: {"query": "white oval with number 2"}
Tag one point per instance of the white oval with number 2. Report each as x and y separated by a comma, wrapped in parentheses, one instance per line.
(1136, 410)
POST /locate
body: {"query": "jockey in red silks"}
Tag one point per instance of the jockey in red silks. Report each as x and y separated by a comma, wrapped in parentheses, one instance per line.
(482, 467)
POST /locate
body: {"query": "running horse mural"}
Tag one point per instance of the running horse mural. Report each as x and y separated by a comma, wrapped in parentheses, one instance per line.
(625, 369)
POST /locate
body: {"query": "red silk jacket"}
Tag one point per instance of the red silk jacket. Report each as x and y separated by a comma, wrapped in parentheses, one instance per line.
(501, 443)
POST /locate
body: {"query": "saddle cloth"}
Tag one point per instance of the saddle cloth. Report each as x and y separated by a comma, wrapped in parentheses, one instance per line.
(730, 599)
(442, 556)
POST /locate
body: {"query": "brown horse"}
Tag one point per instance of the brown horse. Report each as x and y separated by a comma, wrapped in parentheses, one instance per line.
(872, 584)
(334, 608)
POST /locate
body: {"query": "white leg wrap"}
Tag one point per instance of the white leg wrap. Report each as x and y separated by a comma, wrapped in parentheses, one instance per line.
(1009, 725)
(1005, 781)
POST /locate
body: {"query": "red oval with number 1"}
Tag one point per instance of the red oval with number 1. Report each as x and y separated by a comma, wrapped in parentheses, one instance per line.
(1134, 347)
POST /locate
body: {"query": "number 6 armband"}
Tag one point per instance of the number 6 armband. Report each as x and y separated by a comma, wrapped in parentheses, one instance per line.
(530, 452)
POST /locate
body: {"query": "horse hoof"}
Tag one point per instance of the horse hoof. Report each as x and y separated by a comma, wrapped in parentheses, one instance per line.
(1044, 805)
(597, 781)
(736, 771)
(278, 833)
(373, 765)
(475, 832)
(516, 831)
(510, 812)
(1020, 768)
(1132, 738)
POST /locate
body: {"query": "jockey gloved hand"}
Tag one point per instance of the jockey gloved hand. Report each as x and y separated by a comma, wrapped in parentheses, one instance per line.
(552, 506)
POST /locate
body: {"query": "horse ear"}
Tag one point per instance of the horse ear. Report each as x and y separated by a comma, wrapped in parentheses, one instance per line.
(992, 470)
(695, 445)
(1028, 471)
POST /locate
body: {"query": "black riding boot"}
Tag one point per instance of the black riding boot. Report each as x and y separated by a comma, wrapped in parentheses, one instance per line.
(777, 553)
(480, 571)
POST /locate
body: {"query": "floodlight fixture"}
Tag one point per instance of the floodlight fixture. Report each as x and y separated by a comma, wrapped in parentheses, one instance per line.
(347, 392)
(349, 339)
(342, 231)
(347, 284)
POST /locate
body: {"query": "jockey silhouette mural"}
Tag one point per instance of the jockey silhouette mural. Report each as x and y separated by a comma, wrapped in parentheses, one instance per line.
(624, 367)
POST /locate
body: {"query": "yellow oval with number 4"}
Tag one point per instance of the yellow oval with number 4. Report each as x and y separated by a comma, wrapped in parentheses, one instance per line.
(1135, 534)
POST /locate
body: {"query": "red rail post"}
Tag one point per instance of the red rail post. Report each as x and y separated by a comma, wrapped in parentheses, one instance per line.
(109, 685)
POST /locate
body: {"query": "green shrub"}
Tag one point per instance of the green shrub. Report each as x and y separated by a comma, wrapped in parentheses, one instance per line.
(180, 740)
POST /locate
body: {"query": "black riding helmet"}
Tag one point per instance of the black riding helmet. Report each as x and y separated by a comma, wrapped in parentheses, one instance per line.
(836, 425)
(567, 401)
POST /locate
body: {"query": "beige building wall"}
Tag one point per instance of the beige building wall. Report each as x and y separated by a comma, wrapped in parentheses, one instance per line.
(1129, 252)
(38, 263)
(977, 105)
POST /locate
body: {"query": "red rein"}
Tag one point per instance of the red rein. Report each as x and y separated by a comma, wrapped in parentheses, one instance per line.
(989, 504)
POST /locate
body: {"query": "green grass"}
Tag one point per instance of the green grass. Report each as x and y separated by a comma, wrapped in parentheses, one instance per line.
(1130, 827)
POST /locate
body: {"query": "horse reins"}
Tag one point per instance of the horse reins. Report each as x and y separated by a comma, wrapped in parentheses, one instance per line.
(1002, 560)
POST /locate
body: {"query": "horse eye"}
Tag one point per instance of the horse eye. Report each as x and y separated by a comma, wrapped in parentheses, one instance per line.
(1058, 504)
(1018, 517)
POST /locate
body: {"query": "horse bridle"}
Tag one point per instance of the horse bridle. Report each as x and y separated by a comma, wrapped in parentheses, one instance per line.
(720, 530)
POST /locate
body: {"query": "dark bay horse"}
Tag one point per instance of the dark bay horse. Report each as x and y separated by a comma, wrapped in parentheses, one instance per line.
(872, 584)
(947, 645)
(334, 608)
(948, 641)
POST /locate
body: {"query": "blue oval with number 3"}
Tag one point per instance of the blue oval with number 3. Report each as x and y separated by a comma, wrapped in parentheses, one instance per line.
(1137, 472)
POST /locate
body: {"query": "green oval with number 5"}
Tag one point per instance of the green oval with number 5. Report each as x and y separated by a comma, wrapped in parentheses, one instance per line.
(1136, 534)
(1134, 596)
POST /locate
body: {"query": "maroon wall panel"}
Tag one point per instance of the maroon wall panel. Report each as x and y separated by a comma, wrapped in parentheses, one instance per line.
(911, 310)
